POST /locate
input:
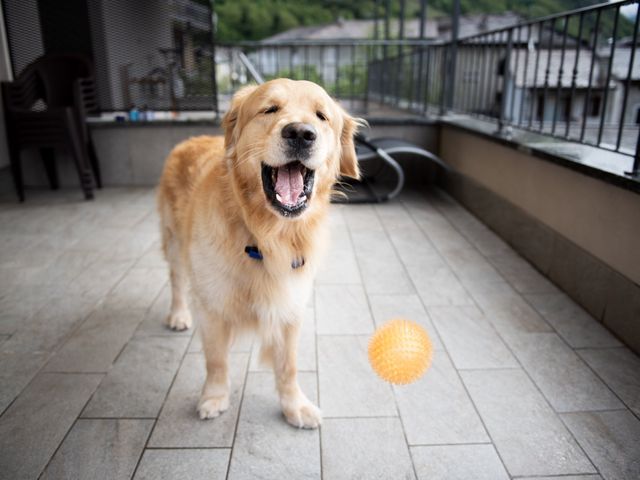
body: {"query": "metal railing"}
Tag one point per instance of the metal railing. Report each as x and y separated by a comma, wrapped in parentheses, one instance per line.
(360, 73)
(572, 76)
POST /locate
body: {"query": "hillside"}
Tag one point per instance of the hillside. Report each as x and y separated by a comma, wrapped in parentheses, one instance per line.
(257, 19)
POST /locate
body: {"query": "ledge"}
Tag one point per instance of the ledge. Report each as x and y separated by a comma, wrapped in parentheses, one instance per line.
(608, 166)
(592, 161)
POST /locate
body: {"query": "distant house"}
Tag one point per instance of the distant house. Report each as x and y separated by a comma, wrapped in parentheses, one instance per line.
(330, 61)
(280, 54)
(537, 95)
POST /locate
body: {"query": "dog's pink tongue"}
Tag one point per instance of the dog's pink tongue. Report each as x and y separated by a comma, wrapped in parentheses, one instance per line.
(289, 184)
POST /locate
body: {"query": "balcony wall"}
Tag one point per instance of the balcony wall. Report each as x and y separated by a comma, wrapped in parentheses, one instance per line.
(581, 232)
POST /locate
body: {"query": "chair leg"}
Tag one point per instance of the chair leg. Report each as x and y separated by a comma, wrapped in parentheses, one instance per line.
(80, 157)
(49, 159)
(16, 171)
(95, 166)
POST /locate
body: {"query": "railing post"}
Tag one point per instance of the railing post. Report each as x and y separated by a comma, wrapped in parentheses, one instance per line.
(635, 170)
(451, 65)
(506, 79)
(214, 81)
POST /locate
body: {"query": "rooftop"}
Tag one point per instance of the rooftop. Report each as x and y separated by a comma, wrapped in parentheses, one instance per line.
(524, 382)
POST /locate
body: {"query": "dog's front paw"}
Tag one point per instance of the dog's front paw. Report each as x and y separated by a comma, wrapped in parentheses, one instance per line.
(302, 413)
(212, 407)
(180, 320)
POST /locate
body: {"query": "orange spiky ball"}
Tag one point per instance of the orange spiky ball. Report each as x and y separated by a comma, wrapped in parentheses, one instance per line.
(400, 351)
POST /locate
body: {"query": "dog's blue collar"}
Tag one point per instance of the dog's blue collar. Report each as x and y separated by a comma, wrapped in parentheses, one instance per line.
(256, 254)
(253, 252)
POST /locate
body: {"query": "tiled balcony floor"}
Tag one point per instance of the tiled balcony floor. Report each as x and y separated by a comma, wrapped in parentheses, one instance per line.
(92, 385)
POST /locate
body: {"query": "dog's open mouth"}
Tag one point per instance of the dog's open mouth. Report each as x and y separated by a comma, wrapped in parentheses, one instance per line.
(288, 187)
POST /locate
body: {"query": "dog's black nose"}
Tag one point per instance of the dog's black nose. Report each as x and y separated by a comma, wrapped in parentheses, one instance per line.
(299, 135)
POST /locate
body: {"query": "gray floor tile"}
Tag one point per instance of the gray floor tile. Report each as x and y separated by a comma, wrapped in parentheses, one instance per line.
(18, 368)
(154, 322)
(342, 310)
(620, 369)
(458, 462)
(381, 269)
(179, 426)
(192, 464)
(98, 341)
(564, 379)
(436, 409)
(444, 235)
(411, 244)
(371, 448)
(564, 477)
(509, 312)
(339, 265)
(9, 322)
(132, 246)
(470, 339)
(521, 274)
(139, 288)
(35, 424)
(438, 286)
(575, 325)
(50, 326)
(266, 446)
(529, 436)
(153, 257)
(387, 307)
(470, 266)
(348, 385)
(100, 449)
(99, 279)
(137, 384)
(611, 439)
(476, 232)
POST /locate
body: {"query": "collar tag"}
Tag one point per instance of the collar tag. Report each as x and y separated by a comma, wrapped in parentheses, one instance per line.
(253, 252)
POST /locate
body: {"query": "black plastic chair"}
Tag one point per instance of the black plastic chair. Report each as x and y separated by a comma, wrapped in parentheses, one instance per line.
(46, 108)
(385, 149)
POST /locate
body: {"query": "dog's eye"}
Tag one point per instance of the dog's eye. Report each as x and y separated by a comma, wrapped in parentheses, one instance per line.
(272, 109)
(321, 116)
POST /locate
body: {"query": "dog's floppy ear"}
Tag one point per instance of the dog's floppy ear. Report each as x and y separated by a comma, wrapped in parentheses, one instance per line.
(230, 120)
(348, 158)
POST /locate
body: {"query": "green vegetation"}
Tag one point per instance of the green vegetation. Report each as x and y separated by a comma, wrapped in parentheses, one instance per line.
(257, 19)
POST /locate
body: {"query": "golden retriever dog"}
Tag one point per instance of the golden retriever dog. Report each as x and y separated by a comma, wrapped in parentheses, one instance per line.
(244, 225)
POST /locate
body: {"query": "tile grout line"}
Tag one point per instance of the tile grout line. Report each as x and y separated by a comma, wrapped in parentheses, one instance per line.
(155, 420)
(73, 424)
(556, 414)
(526, 300)
(242, 392)
(458, 376)
(317, 372)
(187, 448)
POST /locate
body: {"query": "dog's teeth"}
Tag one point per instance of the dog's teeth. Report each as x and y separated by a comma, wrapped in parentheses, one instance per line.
(278, 197)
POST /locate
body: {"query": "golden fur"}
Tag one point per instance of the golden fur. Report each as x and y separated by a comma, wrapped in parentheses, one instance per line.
(212, 204)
